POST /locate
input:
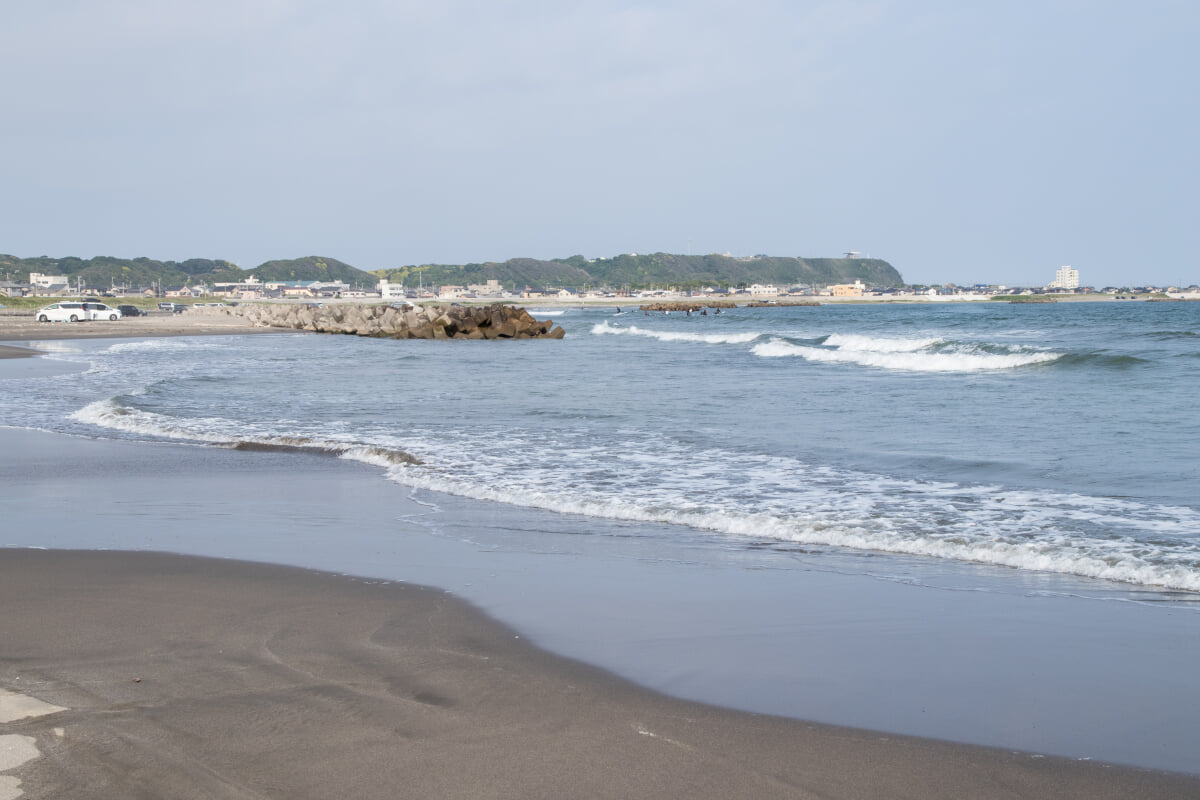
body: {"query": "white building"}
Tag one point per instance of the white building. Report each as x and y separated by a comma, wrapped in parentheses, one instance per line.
(391, 291)
(1065, 278)
(46, 281)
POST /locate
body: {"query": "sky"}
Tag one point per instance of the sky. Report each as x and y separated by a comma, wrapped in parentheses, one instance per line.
(987, 142)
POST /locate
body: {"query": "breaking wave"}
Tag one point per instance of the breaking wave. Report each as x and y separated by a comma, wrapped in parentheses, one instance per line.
(676, 336)
(794, 503)
(912, 355)
(851, 342)
(924, 354)
(745, 496)
(116, 416)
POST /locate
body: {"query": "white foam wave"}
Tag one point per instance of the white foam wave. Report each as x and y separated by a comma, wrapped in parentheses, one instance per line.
(743, 495)
(676, 336)
(877, 344)
(960, 359)
(112, 415)
(162, 345)
(1114, 561)
(109, 414)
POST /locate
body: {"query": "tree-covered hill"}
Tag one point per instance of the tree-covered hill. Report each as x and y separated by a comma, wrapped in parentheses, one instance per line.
(312, 268)
(654, 269)
(516, 272)
(576, 272)
(103, 272)
(720, 270)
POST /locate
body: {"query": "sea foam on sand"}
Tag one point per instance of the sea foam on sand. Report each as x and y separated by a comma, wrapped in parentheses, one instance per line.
(16, 749)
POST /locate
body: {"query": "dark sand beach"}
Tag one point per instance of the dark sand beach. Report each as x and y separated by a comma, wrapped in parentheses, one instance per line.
(24, 328)
(190, 677)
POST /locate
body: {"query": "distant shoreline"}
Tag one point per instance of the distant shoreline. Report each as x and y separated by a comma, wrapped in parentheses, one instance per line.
(21, 327)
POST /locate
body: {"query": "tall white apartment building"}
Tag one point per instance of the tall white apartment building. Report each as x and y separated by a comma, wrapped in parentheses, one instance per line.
(1065, 278)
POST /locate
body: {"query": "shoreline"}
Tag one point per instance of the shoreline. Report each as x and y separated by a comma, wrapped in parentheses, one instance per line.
(9, 351)
(188, 676)
(133, 507)
(879, 735)
(24, 328)
(21, 327)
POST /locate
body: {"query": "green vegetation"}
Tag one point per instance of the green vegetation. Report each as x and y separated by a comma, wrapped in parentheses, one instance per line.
(26, 303)
(575, 272)
(655, 269)
(103, 272)
(311, 268)
(517, 272)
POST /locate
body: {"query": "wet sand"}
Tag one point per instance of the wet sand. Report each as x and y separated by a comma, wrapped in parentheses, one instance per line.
(192, 677)
(8, 351)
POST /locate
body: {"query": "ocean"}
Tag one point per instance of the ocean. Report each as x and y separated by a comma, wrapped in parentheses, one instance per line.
(956, 453)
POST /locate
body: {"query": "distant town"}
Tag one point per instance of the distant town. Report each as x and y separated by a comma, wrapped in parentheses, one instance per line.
(1065, 284)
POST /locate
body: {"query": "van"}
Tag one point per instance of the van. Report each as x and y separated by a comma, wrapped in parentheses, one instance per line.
(61, 312)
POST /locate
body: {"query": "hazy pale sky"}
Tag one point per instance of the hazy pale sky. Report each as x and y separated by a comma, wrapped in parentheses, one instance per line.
(965, 142)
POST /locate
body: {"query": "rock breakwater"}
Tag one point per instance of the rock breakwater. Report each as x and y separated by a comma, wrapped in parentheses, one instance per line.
(686, 306)
(436, 321)
(781, 303)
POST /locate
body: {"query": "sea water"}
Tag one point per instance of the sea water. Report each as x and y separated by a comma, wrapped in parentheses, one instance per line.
(993, 448)
(1060, 438)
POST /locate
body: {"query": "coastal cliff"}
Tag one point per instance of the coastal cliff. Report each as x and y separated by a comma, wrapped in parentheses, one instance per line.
(443, 321)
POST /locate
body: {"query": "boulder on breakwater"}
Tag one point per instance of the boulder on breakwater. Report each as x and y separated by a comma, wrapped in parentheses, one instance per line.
(406, 321)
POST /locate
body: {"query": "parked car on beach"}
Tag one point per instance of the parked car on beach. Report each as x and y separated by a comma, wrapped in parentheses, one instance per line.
(100, 311)
(131, 311)
(75, 312)
(61, 312)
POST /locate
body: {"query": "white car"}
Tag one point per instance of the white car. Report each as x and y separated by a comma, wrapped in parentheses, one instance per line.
(74, 312)
(101, 311)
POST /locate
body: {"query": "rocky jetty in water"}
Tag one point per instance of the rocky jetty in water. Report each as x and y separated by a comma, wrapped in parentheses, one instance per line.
(781, 303)
(406, 321)
(686, 306)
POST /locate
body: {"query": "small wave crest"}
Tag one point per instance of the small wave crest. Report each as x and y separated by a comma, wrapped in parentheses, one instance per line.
(114, 415)
(601, 328)
(162, 345)
(852, 342)
(911, 355)
(1166, 336)
(1104, 360)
